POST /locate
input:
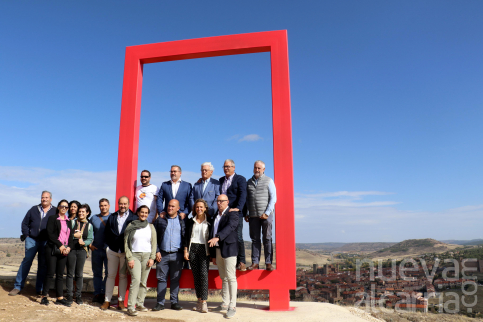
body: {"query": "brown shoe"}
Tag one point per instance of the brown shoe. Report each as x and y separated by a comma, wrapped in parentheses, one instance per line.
(14, 292)
(105, 306)
(243, 267)
(269, 267)
(120, 306)
(252, 267)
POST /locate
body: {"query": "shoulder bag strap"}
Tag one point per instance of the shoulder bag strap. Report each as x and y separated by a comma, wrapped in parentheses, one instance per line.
(102, 221)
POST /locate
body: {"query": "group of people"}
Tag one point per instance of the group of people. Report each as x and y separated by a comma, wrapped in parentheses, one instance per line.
(160, 231)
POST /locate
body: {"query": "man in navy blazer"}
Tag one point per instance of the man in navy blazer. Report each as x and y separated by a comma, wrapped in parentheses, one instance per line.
(116, 256)
(206, 188)
(223, 250)
(174, 189)
(235, 187)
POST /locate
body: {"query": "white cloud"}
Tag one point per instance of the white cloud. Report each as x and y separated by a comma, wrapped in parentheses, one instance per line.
(250, 138)
(246, 138)
(84, 186)
(319, 217)
(234, 137)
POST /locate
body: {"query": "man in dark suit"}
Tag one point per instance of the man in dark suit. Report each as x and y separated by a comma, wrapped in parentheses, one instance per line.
(235, 187)
(206, 188)
(174, 189)
(116, 256)
(223, 250)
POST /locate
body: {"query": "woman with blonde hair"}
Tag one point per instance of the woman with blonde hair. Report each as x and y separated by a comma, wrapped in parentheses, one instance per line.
(196, 251)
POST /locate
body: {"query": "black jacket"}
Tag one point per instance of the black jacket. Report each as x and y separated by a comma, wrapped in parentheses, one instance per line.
(236, 193)
(189, 230)
(227, 232)
(112, 236)
(33, 226)
(53, 230)
(160, 225)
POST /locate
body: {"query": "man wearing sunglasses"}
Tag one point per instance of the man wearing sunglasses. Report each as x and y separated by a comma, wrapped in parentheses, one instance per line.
(35, 235)
(146, 195)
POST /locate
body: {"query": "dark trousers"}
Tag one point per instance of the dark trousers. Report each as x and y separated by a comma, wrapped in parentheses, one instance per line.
(200, 263)
(75, 267)
(265, 225)
(99, 262)
(241, 244)
(171, 264)
(55, 265)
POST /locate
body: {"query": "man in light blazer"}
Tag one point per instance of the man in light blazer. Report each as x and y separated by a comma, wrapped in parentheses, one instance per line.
(174, 189)
(235, 187)
(206, 188)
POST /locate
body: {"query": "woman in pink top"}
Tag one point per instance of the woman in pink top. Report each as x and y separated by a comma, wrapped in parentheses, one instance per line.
(59, 243)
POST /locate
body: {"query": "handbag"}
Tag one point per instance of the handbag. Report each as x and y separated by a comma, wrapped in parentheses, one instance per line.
(55, 250)
(82, 233)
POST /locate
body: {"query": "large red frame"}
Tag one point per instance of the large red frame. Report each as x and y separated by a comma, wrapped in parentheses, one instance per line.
(282, 279)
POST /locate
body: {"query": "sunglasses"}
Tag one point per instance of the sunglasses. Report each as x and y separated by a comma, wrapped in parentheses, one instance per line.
(63, 207)
(143, 177)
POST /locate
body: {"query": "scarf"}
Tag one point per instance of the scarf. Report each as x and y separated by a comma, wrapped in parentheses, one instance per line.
(131, 230)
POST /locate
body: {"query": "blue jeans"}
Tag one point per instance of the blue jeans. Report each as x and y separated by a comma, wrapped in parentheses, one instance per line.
(32, 247)
(99, 260)
(171, 264)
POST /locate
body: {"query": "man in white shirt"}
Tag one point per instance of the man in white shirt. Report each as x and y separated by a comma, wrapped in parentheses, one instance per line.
(147, 194)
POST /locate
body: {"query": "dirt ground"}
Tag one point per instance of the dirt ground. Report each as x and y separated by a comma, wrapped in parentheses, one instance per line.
(26, 307)
(423, 317)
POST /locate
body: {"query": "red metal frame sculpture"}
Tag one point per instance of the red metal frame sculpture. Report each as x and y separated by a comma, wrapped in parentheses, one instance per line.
(282, 279)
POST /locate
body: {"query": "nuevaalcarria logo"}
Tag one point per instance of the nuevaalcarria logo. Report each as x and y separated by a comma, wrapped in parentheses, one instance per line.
(398, 286)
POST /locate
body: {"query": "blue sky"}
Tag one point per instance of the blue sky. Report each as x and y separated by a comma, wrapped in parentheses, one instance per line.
(387, 106)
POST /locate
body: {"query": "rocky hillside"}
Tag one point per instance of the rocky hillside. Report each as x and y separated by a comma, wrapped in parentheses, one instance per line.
(414, 247)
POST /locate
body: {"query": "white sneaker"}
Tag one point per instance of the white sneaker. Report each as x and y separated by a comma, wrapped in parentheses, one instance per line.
(230, 313)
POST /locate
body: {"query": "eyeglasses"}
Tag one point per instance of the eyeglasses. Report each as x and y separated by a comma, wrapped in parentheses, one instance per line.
(227, 166)
(220, 201)
(63, 207)
(174, 171)
(204, 170)
(144, 177)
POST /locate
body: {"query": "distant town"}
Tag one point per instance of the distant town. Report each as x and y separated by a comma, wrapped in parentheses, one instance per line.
(428, 283)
